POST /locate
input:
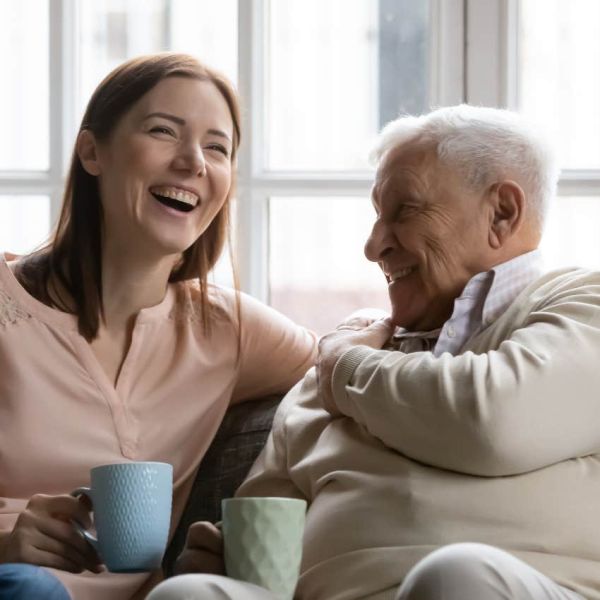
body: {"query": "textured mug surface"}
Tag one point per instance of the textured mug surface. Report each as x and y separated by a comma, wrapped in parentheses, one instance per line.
(263, 541)
(132, 512)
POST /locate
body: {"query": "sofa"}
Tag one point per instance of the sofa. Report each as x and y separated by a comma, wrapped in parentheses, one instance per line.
(238, 442)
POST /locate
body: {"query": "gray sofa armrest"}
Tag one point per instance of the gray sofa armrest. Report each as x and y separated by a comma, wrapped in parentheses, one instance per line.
(238, 442)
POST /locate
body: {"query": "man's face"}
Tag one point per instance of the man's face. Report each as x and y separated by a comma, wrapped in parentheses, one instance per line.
(430, 235)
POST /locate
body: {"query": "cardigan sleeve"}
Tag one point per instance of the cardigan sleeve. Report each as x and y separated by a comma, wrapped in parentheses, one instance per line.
(532, 401)
(270, 476)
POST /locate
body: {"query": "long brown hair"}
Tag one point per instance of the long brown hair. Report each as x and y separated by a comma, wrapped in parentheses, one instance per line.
(73, 256)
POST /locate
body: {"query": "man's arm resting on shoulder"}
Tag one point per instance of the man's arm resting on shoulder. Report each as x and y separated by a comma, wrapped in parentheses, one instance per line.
(529, 404)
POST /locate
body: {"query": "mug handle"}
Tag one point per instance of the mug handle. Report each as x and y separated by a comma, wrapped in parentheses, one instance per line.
(87, 492)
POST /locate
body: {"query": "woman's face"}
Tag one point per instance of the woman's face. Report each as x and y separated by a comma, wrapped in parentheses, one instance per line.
(165, 170)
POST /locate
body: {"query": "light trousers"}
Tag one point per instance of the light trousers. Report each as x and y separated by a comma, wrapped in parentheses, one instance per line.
(455, 572)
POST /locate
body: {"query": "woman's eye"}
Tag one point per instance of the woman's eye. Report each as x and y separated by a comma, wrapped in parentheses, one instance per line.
(219, 148)
(162, 129)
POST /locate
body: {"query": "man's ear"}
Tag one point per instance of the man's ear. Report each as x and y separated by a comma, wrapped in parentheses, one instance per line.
(507, 214)
(87, 150)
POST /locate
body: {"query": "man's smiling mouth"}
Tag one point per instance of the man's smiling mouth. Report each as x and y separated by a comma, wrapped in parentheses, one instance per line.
(175, 198)
(400, 274)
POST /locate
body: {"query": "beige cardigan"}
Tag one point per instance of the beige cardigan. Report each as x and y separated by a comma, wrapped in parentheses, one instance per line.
(498, 445)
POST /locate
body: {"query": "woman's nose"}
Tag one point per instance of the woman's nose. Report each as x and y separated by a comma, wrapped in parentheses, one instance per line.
(191, 159)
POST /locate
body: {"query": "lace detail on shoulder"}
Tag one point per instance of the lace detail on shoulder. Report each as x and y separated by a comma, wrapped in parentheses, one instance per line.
(185, 309)
(10, 311)
(188, 308)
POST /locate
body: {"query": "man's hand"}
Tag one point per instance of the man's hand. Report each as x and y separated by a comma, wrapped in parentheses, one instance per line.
(44, 535)
(203, 552)
(358, 330)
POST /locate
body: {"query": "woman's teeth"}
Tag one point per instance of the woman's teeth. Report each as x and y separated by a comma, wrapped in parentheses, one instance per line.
(176, 194)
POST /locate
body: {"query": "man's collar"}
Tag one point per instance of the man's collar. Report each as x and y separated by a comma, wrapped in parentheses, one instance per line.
(508, 280)
(494, 290)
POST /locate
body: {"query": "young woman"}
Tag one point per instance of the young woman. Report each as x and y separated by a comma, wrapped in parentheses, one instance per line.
(113, 344)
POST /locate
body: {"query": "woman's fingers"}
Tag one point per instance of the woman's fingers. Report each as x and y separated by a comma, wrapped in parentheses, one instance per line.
(44, 558)
(44, 531)
(62, 536)
(62, 507)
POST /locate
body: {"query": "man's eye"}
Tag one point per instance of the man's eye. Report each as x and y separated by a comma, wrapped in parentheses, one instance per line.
(404, 211)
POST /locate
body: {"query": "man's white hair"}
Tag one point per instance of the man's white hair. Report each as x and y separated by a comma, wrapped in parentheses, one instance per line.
(485, 145)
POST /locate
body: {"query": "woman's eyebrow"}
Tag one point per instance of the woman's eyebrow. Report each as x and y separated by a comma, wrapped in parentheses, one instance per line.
(181, 121)
(168, 116)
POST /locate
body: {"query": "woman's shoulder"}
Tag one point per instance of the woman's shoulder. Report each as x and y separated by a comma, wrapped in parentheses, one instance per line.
(254, 321)
(189, 303)
(228, 304)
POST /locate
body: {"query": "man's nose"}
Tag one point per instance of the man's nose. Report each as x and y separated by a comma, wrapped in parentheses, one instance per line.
(379, 242)
(191, 159)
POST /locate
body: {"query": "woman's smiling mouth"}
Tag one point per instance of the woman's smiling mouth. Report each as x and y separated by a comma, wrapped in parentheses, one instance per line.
(176, 198)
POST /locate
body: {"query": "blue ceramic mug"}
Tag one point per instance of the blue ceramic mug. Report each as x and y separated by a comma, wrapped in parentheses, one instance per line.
(132, 512)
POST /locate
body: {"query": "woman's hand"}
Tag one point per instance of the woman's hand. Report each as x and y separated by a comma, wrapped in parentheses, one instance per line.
(45, 536)
(203, 552)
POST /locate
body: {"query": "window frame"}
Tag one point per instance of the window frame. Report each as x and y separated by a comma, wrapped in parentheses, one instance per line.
(491, 74)
(473, 58)
(62, 70)
(257, 184)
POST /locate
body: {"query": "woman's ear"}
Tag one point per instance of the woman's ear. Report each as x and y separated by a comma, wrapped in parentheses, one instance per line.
(87, 150)
(508, 212)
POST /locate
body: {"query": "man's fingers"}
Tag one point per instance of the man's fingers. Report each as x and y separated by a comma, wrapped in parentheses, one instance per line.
(384, 325)
(205, 535)
(379, 332)
(203, 551)
(362, 318)
(199, 561)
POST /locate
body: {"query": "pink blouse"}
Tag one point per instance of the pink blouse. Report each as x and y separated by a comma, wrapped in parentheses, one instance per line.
(60, 414)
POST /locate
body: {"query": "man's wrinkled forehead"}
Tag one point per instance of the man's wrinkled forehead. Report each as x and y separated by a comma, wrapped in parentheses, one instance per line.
(414, 157)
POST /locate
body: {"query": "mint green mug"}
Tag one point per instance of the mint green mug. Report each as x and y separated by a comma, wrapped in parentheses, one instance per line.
(263, 541)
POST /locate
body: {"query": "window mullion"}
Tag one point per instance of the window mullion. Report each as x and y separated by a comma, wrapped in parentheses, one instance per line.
(447, 52)
(57, 73)
(252, 208)
(253, 242)
(579, 183)
(491, 52)
(62, 65)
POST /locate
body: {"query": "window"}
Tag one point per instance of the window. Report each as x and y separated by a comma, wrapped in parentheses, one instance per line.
(558, 86)
(24, 145)
(318, 79)
(542, 58)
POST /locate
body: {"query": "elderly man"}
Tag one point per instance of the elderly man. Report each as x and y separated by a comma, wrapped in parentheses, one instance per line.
(452, 451)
